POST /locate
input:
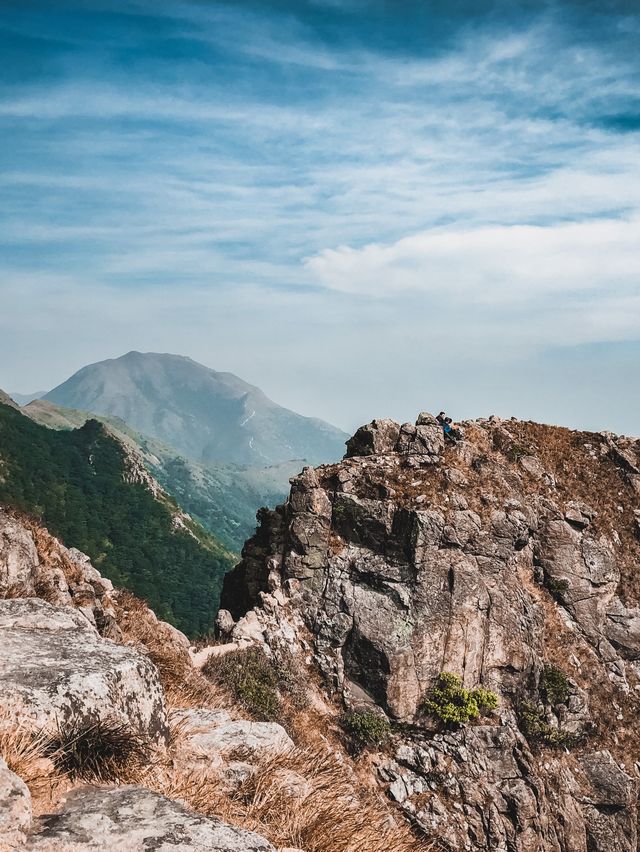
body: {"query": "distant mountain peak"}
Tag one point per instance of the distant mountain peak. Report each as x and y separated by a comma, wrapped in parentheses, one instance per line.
(205, 414)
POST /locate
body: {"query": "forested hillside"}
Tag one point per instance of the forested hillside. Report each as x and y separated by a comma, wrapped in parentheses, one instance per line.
(223, 498)
(74, 481)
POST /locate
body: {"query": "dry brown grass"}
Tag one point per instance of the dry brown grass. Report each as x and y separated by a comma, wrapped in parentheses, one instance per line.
(309, 798)
(328, 812)
(26, 753)
(183, 685)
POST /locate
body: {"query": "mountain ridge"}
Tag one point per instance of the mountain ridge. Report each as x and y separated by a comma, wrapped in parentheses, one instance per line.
(205, 414)
(94, 492)
(222, 497)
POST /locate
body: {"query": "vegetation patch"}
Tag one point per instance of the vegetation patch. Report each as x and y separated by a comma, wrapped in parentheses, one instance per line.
(366, 729)
(454, 705)
(557, 588)
(257, 682)
(554, 687)
(537, 730)
(74, 482)
(515, 452)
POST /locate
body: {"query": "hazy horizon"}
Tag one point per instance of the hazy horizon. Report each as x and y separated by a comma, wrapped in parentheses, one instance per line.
(364, 208)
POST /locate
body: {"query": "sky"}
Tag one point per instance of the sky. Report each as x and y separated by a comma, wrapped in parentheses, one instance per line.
(366, 208)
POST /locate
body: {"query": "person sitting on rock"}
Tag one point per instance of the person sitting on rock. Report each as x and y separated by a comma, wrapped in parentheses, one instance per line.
(441, 418)
(451, 431)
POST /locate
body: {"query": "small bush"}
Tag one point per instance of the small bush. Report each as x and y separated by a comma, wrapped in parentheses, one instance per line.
(516, 452)
(366, 729)
(537, 730)
(557, 588)
(452, 704)
(258, 682)
(106, 750)
(554, 687)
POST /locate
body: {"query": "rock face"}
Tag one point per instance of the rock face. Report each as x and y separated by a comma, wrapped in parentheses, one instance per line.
(15, 809)
(133, 819)
(54, 668)
(507, 556)
(35, 564)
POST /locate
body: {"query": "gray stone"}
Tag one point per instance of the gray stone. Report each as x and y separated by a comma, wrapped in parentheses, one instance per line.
(251, 740)
(15, 809)
(376, 438)
(54, 667)
(225, 622)
(133, 819)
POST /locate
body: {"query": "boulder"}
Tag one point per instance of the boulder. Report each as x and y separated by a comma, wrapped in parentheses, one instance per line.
(224, 622)
(376, 438)
(54, 667)
(252, 740)
(15, 809)
(426, 438)
(134, 819)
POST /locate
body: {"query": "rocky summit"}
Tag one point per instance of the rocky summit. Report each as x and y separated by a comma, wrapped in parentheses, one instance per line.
(482, 600)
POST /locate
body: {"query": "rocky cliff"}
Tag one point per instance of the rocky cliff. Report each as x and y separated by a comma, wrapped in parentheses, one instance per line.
(510, 560)
(112, 738)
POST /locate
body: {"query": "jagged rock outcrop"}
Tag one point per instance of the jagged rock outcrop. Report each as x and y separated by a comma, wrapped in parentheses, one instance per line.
(512, 551)
(133, 818)
(35, 564)
(55, 669)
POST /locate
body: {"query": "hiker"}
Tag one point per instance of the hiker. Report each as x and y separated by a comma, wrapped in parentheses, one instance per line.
(441, 418)
(451, 432)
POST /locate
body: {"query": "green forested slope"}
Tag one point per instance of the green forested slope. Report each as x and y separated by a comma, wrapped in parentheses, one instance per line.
(73, 481)
(223, 498)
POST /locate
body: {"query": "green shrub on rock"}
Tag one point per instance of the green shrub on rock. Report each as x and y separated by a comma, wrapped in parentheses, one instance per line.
(553, 686)
(366, 729)
(452, 704)
(539, 732)
(258, 682)
(557, 588)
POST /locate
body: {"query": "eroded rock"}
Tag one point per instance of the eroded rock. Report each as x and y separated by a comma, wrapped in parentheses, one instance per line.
(15, 809)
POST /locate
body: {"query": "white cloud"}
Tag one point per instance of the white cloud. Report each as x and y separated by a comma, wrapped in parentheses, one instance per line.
(490, 264)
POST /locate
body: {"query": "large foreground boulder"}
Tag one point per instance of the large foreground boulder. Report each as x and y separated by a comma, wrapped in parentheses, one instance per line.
(133, 819)
(54, 668)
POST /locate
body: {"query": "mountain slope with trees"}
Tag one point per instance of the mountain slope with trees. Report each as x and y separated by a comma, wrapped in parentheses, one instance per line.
(223, 498)
(82, 485)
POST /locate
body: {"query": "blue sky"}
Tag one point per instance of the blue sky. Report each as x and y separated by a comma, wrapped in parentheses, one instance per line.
(367, 208)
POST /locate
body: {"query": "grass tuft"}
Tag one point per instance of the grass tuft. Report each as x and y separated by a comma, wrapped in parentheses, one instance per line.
(105, 751)
(366, 729)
